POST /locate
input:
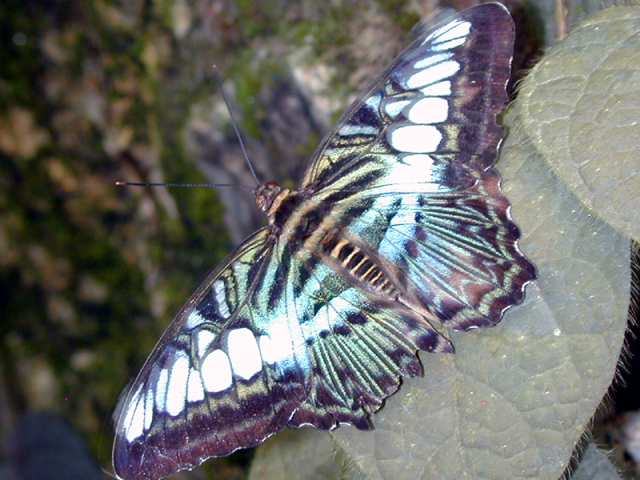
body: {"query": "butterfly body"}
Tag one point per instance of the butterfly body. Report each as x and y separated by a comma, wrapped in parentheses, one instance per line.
(398, 231)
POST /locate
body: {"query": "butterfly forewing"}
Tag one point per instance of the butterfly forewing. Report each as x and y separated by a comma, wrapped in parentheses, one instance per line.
(440, 96)
(399, 227)
(208, 387)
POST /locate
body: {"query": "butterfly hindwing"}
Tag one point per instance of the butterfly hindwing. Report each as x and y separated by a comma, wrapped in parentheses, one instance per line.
(399, 227)
(358, 344)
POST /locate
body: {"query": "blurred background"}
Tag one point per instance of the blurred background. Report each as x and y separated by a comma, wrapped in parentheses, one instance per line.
(98, 91)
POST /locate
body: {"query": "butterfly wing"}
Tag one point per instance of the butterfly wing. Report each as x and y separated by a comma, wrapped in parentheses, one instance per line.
(408, 171)
(205, 390)
(236, 366)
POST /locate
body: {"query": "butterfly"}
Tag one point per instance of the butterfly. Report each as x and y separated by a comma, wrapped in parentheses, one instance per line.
(398, 231)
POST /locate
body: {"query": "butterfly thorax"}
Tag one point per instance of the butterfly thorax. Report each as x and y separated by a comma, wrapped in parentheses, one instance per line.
(304, 224)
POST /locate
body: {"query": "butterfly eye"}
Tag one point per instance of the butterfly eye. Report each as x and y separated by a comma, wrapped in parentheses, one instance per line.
(266, 194)
(261, 202)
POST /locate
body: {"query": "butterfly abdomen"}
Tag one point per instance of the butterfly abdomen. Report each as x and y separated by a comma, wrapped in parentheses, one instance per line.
(355, 263)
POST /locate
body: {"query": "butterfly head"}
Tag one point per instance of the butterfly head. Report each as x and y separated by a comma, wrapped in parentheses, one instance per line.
(269, 196)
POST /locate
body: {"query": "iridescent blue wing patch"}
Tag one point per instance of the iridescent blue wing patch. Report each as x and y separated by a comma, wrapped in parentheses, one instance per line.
(398, 231)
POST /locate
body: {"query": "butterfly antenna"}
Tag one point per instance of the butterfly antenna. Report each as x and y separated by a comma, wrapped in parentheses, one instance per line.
(235, 125)
(151, 184)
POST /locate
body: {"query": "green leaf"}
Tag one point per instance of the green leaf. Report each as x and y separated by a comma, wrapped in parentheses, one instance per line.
(514, 400)
(304, 453)
(580, 108)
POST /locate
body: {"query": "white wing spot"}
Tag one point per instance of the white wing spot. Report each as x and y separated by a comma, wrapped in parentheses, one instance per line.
(432, 60)
(204, 339)
(276, 346)
(161, 390)
(195, 392)
(455, 33)
(221, 298)
(177, 387)
(351, 129)
(448, 45)
(415, 138)
(429, 110)
(417, 162)
(433, 74)
(216, 371)
(339, 307)
(148, 409)
(403, 175)
(134, 418)
(393, 109)
(373, 101)
(194, 319)
(244, 353)
(439, 89)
